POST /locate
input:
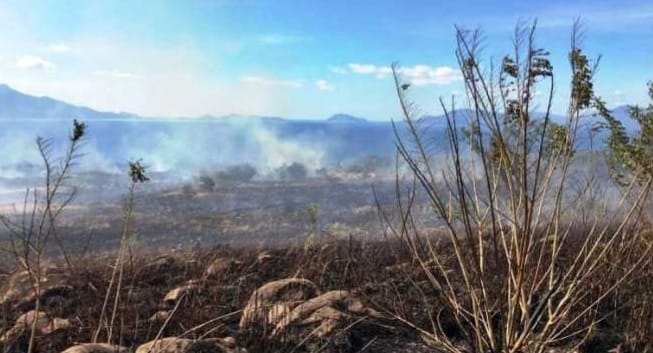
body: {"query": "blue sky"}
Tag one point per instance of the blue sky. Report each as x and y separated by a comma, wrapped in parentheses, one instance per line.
(299, 59)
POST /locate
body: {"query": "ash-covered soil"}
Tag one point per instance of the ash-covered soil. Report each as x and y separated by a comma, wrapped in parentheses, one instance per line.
(265, 213)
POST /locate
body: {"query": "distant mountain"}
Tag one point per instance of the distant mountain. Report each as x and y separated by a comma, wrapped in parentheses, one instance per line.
(345, 118)
(462, 117)
(191, 144)
(17, 105)
(622, 113)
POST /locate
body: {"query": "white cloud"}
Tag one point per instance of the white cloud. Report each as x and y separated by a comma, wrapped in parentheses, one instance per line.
(418, 75)
(324, 85)
(362, 69)
(58, 48)
(338, 70)
(115, 74)
(366, 69)
(30, 62)
(421, 75)
(269, 82)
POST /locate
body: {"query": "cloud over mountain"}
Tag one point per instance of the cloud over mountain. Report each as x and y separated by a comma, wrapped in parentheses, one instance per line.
(30, 62)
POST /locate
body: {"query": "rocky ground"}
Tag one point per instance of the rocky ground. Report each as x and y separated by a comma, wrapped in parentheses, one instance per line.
(341, 296)
(319, 299)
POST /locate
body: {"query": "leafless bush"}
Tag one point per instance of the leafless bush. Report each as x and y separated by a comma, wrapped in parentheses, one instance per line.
(137, 175)
(521, 275)
(36, 224)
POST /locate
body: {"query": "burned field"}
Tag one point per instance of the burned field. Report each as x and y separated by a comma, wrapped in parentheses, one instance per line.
(263, 213)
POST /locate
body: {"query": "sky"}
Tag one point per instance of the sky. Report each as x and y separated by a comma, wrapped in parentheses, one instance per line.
(298, 58)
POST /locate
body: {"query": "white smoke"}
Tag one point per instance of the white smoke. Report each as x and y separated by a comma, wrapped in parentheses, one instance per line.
(279, 152)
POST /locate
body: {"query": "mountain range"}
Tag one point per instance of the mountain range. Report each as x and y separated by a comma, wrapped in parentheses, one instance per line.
(200, 143)
(17, 105)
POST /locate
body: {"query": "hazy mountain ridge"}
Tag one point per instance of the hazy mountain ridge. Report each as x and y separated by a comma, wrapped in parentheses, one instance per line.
(188, 145)
(346, 118)
(15, 104)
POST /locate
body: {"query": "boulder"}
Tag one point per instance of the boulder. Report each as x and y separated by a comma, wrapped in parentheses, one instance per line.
(18, 290)
(159, 316)
(19, 334)
(191, 287)
(184, 345)
(269, 303)
(324, 313)
(219, 266)
(263, 257)
(96, 348)
(228, 342)
(278, 311)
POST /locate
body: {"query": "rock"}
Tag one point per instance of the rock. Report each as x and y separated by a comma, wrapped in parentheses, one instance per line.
(220, 265)
(96, 348)
(278, 311)
(21, 331)
(326, 311)
(167, 345)
(18, 289)
(228, 342)
(159, 316)
(269, 303)
(184, 345)
(191, 287)
(335, 321)
(326, 319)
(264, 256)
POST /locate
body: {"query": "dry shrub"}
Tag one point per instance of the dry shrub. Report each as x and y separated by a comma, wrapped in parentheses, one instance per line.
(515, 271)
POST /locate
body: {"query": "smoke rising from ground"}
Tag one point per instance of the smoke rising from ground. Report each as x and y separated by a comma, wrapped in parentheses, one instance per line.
(174, 146)
(177, 150)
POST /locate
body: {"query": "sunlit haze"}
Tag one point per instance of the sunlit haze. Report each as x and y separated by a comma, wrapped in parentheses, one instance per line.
(296, 59)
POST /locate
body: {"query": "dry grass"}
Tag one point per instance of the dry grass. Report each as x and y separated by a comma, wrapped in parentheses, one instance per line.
(384, 274)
